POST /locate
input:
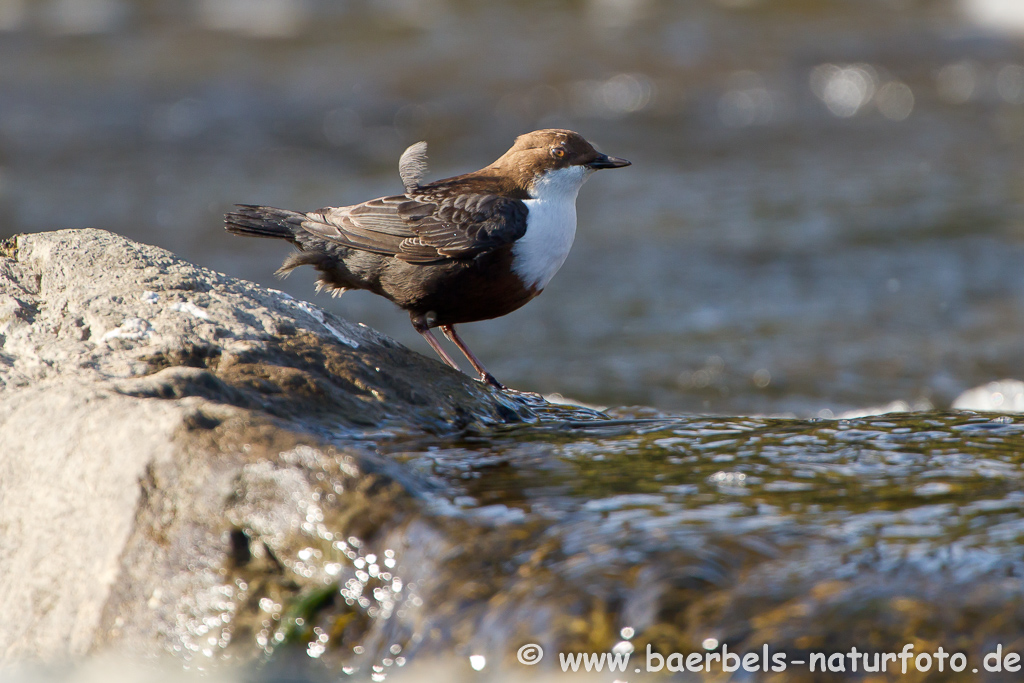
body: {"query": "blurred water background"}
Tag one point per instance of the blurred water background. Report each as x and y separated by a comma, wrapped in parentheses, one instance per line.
(824, 211)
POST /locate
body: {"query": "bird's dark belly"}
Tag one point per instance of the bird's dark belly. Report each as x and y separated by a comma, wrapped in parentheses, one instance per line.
(459, 291)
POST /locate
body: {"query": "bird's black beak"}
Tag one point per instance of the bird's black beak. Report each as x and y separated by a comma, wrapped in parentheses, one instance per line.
(605, 161)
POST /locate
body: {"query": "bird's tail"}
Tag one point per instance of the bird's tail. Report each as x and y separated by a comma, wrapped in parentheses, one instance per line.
(263, 221)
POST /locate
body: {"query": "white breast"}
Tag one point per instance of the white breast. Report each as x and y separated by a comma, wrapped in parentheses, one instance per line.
(550, 226)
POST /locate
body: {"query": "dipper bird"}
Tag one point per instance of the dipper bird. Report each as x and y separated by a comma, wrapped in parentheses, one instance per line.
(472, 247)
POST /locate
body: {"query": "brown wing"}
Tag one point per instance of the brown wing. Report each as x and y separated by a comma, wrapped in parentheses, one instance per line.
(423, 228)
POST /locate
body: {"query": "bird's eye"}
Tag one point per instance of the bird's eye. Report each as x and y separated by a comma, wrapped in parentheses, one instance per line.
(558, 152)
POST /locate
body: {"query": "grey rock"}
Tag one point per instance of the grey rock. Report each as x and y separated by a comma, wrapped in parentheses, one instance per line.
(150, 409)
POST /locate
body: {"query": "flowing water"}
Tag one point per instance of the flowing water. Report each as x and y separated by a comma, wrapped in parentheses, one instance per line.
(682, 534)
(504, 549)
(824, 211)
(823, 216)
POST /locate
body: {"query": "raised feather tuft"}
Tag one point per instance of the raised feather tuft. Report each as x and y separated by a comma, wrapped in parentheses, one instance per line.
(412, 166)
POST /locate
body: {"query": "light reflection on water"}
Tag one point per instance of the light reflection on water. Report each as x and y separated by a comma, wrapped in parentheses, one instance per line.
(755, 510)
(1004, 16)
(599, 535)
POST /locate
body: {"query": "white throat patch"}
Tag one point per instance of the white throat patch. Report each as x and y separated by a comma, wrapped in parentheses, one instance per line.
(550, 226)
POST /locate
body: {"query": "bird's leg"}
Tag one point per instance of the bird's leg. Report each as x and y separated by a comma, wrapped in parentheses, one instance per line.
(420, 326)
(454, 338)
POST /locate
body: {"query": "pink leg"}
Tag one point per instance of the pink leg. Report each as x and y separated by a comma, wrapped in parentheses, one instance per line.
(436, 345)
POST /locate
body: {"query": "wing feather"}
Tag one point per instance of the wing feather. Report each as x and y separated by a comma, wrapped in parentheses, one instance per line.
(423, 228)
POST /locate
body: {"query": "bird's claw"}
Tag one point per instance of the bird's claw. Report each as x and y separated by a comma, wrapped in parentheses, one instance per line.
(488, 378)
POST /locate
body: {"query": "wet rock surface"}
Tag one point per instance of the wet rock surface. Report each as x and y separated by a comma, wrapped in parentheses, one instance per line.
(136, 391)
(207, 472)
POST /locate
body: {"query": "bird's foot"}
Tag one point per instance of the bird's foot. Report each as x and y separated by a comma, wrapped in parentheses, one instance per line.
(488, 378)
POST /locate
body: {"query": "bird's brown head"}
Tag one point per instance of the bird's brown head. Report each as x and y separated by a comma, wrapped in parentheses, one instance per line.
(535, 154)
